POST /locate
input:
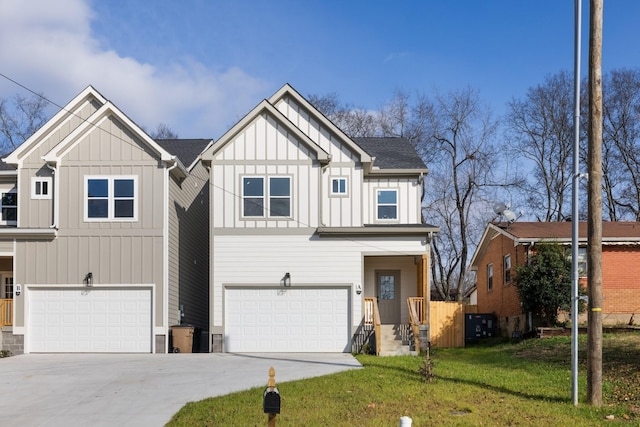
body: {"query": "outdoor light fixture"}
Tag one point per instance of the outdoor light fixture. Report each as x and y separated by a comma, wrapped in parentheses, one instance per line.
(287, 280)
(88, 279)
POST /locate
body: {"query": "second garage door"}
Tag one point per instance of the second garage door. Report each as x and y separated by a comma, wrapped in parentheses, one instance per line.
(90, 320)
(287, 320)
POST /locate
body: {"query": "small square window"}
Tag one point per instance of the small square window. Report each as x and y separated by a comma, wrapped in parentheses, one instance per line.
(40, 188)
(339, 186)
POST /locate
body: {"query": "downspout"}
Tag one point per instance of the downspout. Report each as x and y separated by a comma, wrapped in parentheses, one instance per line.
(165, 256)
(56, 181)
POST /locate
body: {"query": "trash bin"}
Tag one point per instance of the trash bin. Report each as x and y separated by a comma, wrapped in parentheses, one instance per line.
(182, 338)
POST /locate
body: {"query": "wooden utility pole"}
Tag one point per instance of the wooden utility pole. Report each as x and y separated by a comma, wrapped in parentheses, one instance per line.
(594, 275)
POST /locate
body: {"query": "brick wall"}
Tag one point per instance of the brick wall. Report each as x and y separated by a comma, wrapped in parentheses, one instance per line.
(503, 299)
(620, 282)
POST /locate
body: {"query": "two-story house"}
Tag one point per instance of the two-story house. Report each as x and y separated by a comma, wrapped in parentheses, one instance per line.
(505, 246)
(103, 235)
(305, 224)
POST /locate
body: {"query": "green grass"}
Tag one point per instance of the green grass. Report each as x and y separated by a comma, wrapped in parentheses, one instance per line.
(524, 384)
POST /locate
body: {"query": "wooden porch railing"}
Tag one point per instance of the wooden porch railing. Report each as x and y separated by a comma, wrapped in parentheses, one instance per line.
(415, 317)
(372, 318)
(6, 312)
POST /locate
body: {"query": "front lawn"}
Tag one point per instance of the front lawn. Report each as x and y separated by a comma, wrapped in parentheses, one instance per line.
(522, 384)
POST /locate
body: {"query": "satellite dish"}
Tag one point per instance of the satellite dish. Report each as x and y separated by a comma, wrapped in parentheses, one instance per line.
(500, 207)
(509, 216)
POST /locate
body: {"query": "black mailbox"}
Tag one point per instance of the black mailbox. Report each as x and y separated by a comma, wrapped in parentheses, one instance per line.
(271, 401)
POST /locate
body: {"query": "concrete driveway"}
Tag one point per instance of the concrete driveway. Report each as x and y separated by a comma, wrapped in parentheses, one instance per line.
(139, 390)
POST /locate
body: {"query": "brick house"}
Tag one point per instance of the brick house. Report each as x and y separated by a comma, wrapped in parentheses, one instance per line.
(504, 246)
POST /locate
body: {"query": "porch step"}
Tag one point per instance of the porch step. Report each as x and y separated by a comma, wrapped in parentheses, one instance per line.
(391, 343)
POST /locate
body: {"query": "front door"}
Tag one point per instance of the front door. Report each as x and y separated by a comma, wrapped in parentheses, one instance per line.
(7, 285)
(388, 293)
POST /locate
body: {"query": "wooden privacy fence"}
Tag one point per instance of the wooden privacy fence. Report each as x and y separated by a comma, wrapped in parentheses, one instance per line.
(446, 321)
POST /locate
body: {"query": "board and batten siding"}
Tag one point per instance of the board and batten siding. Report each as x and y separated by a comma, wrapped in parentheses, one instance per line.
(264, 148)
(322, 136)
(408, 199)
(115, 252)
(189, 248)
(311, 261)
(38, 213)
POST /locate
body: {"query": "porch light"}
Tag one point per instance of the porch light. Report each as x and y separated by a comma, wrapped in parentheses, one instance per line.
(287, 280)
(88, 279)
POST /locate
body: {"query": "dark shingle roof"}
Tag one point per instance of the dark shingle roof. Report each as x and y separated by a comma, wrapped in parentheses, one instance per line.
(391, 153)
(187, 150)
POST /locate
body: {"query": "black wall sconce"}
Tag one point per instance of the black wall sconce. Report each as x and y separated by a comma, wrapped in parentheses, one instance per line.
(88, 279)
(287, 280)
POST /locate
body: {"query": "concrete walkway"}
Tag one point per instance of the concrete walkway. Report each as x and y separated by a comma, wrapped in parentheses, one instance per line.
(139, 390)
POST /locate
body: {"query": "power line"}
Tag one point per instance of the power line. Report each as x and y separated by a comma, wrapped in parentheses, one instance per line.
(235, 195)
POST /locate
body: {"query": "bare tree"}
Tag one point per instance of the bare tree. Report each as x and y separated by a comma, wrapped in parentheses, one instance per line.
(163, 132)
(541, 132)
(621, 145)
(20, 117)
(461, 183)
(355, 122)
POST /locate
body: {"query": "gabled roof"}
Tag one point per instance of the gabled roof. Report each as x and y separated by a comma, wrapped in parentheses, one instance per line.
(288, 91)
(392, 152)
(187, 150)
(266, 107)
(87, 95)
(527, 233)
(105, 111)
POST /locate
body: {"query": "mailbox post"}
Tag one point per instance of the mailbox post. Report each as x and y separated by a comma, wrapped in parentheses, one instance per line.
(271, 399)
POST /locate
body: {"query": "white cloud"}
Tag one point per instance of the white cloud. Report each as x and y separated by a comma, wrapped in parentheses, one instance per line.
(48, 46)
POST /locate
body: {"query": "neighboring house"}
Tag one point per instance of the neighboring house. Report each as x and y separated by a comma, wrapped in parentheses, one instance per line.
(504, 246)
(307, 222)
(103, 242)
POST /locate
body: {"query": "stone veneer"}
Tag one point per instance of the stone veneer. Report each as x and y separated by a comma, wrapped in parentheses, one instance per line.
(12, 343)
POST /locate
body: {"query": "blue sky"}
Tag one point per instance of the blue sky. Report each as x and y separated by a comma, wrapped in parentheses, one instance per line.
(199, 66)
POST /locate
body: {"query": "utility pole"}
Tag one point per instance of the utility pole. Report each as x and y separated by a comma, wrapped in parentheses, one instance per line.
(594, 275)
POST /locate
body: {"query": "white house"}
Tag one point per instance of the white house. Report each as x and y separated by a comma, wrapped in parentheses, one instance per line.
(305, 223)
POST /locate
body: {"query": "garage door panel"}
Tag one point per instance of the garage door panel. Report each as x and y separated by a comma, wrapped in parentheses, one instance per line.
(94, 320)
(291, 320)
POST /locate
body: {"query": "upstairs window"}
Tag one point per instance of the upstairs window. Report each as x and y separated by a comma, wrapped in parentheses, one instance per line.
(489, 277)
(507, 269)
(387, 204)
(338, 186)
(110, 198)
(273, 201)
(9, 208)
(40, 188)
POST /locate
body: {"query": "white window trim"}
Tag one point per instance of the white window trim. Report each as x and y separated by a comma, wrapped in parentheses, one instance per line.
(506, 270)
(38, 179)
(2, 220)
(490, 277)
(110, 216)
(266, 196)
(346, 186)
(397, 205)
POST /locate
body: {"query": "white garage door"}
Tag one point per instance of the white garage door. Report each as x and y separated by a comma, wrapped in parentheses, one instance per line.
(287, 320)
(90, 320)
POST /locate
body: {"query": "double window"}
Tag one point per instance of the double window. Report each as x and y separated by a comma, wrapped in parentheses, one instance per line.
(110, 198)
(387, 204)
(266, 197)
(40, 188)
(338, 186)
